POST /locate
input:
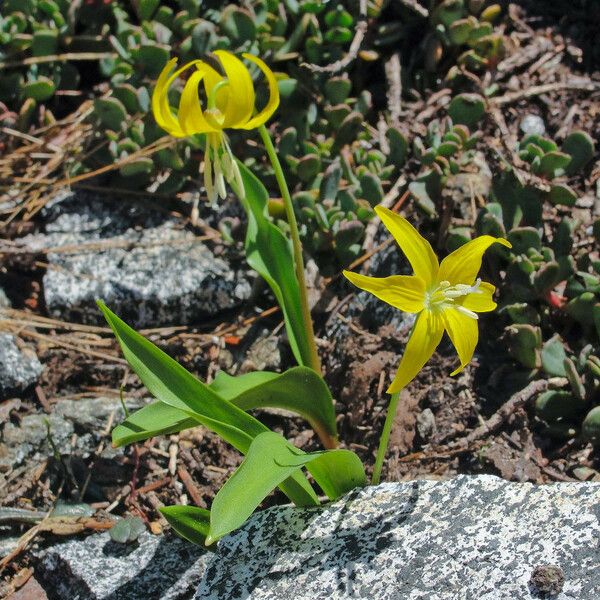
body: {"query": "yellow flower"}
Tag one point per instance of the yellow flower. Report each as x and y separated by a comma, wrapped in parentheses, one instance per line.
(230, 104)
(446, 296)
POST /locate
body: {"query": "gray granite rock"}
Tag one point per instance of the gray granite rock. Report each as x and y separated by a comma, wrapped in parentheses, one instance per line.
(19, 366)
(153, 568)
(138, 260)
(88, 418)
(471, 538)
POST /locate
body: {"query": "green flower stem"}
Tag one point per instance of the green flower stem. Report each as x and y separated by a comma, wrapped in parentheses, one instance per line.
(384, 440)
(296, 245)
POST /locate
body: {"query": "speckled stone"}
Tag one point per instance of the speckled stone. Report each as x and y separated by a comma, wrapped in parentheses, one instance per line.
(19, 367)
(468, 538)
(153, 568)
(88, 418)
(142, 263)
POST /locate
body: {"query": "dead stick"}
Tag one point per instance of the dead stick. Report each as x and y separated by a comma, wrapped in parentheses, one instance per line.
(581, 86)
(190, 486)
(515, 402)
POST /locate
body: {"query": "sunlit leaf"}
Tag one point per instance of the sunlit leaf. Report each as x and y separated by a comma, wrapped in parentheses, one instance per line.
(270, 254)
(299, 390)
(170, 383)
(157, 418)
(190, 522)
(270, 460)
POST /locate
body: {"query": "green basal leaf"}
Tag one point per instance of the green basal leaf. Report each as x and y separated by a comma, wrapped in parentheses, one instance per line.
(270, 460)
(299, 390)
(155, 419)
(269, 253)
(190, 522)
(337, 472)
(170, 383)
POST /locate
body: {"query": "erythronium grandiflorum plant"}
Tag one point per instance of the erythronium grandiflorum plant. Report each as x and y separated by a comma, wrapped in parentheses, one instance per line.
(445, 297)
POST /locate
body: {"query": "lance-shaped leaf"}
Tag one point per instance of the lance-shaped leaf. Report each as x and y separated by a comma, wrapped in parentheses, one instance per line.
(190, 522)
(299, 390)
(270, 460)
(170, 383)
(269, 253)
(157, 418)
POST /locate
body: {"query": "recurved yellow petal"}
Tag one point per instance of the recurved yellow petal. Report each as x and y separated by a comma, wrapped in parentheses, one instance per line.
(190, 115)
(160, 101)
(240, 98)
(160, 98)
(423, 341)
(464, 263)
(464, 333)
(480, 301)
(416, 248)
(405, 292)
(265, 114)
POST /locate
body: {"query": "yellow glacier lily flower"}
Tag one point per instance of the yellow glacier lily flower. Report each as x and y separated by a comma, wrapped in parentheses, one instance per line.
(446, 296)
(230, 104)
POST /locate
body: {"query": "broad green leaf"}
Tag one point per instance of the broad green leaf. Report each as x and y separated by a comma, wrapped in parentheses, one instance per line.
(269, 253)
(270, 460)
(299, 390)
(157, 418)
(190, 522)
(170, 383)
(337, 472)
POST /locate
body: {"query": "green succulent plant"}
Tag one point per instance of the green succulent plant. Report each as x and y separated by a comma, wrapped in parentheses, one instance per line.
(549, 287)
(463, 31)
(446, 150)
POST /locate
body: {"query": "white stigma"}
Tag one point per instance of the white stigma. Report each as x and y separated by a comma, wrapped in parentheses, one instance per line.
(444, 295)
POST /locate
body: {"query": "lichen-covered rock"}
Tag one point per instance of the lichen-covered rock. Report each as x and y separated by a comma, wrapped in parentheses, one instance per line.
(19, 366)
(152, 568)
(139, 261)
(469, 537)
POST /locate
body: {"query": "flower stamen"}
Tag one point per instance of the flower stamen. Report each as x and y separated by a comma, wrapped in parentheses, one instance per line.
(443, 295)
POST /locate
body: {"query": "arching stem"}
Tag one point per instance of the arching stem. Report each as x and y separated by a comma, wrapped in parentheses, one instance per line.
(296, 245)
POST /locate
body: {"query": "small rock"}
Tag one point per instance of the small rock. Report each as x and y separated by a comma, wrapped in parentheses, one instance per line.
(156, 567)
(88, 418)
(426, 424)
(467, 537)
(532, 125)
(263, 354)
(470, 184)
(548, 579)
(32, 590)
(141, 263)
(4, 301)
(19, 367)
